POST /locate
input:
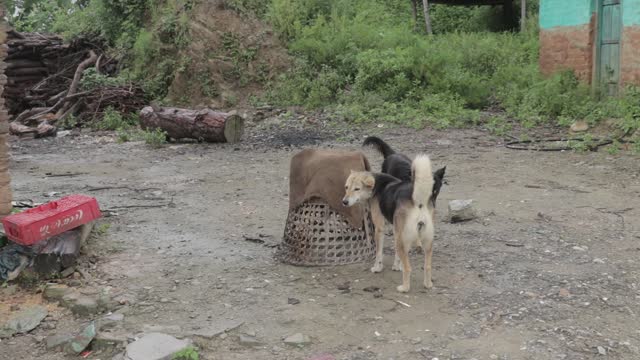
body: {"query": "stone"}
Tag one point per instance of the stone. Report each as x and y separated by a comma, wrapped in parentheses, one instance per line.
(297, 339)
(80, 342)
(110, 321)
(248, 340)
(217, 329)
(602, 351)
(85, 306)
(57, 341)
(108, 341)
(579, 126)
(24, 321)
(55, 292)
(461, 210)
(155, 346)
(322, 357)
(564, 292)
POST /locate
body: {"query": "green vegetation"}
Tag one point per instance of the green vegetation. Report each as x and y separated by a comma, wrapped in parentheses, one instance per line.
(365, 60)
(189, 353)
(154, 138)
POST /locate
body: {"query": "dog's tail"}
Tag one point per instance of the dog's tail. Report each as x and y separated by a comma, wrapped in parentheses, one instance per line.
(422, 179)
(380, 145)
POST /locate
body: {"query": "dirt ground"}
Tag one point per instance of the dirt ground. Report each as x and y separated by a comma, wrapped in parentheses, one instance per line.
(549, 270)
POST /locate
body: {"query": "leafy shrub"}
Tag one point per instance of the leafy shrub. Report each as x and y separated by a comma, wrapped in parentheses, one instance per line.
(113, 120)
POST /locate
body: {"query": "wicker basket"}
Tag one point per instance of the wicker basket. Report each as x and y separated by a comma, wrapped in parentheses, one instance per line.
(316, 235)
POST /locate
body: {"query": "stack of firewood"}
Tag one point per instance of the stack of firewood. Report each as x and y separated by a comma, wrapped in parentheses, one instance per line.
(5, 186)
(44, 84)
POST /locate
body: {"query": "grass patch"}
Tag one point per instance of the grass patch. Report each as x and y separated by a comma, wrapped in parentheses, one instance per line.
(154, 138)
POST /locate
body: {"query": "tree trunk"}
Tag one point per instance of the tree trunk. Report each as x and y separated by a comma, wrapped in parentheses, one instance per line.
(427, 19)
(414, 10)
(5, 180)
(206, 125)
(523, 15)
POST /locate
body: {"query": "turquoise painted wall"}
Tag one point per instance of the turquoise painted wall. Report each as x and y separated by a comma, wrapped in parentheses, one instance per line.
(630, 12)
(565, 12)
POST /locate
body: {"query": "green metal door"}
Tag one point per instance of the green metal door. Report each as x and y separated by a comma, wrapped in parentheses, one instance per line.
(609, 33)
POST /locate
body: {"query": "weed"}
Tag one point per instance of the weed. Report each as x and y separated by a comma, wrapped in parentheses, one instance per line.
(156, 137)
(113, 120)
(101, 229)
(68, 122)
(614, 148)
(190, 353)
(498, 126)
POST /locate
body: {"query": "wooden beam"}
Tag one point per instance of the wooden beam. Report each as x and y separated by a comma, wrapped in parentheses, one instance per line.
(523, 15)
(427, 19)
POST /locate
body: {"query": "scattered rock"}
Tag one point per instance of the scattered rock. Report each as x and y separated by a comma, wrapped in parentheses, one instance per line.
(68, 272)
(171, 329)
(155, 346)
(84, 306)
(110, 321)
(371, 289)
(247, 340)
(219, 328)
(461, 210)
(80, 342)
(293, 301)
(322, 357)
(602, 351)
(57, 341)
(344, 287)
(297, 340)
(24, 321)
(564, 292)
(579, 126)
(108, 341)
(55, 292)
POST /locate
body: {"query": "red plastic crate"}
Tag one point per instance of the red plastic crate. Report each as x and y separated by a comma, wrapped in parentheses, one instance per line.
(50, 219)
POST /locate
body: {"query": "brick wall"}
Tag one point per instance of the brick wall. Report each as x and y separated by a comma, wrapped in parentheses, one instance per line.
(568, 47)
(630, 56)
(567, 35)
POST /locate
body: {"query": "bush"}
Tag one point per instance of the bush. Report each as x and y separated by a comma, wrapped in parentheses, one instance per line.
(113, 120)
(363, 59)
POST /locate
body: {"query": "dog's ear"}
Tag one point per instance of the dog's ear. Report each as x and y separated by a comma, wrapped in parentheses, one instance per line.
(369, 181)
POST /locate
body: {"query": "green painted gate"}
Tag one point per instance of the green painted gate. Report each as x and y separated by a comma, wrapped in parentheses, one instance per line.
(608, 51)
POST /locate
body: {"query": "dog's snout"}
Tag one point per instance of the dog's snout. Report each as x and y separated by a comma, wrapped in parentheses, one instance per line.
(345, 202)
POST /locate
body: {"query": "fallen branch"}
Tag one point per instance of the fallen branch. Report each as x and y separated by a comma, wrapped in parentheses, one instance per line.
(76, 78)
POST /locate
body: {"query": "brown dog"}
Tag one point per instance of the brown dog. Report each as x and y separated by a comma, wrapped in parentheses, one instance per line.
(408, 205)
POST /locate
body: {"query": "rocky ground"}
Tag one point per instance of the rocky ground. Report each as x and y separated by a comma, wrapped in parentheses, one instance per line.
(548, 270)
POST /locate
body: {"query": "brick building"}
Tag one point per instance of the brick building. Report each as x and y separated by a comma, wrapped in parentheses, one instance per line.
(598, 39)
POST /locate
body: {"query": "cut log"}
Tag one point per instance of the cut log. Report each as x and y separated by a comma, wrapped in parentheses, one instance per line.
(21, 130)
(205, 125)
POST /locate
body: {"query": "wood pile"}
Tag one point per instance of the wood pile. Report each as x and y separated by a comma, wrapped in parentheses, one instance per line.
(43, 85)
(5, 181)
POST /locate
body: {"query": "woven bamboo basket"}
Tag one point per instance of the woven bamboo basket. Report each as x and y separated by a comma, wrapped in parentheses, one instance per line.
(316, 235)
